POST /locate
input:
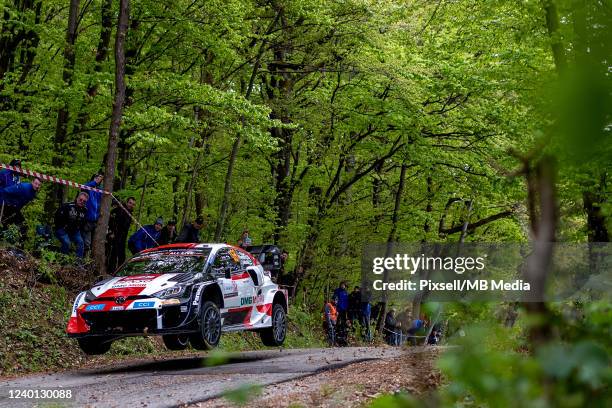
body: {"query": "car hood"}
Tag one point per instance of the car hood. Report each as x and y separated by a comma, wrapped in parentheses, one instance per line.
(134, 285)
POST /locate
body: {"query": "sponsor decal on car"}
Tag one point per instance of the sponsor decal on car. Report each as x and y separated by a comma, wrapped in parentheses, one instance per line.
(196, 300)
(131, 284)
(143, 305)
(115, 308)
(250, 300)
(231, 294)
(95, 308)
(230, 286)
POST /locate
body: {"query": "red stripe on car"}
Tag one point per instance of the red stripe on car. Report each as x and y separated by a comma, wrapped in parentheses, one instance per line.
(267, 309)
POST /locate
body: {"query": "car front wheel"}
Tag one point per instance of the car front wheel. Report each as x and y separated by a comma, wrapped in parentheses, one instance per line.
(176, 341)
(95, 345)
(274, 336)
(210, 328)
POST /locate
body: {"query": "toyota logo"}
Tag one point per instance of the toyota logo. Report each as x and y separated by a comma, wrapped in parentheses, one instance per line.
(119, 300)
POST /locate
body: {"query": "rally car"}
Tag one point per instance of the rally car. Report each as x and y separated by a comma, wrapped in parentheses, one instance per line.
(187, 293)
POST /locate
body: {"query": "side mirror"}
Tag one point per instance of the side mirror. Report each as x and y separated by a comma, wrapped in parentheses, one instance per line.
(254, 275)
(100, 279)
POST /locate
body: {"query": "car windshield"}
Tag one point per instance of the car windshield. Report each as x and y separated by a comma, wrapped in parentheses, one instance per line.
(171, 261)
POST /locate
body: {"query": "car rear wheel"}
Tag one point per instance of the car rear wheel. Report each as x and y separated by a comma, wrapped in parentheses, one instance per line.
(95, 345)
(176, 341)
(210, 328)
(274, 336)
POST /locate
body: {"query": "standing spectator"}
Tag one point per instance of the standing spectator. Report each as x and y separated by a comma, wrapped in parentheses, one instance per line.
(93, 209)
(417, 324)
(191, 232)
(342, 295)
(10, 177)
(244, 240)
(280, 278)
(69, 220)
(168, 233)
(13, 199)
(118, 228)
(392, 329)
(354, 305)
(330, 317)
(146, 237)
(366, 312)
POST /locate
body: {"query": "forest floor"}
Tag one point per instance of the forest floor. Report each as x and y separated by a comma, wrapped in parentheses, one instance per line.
(413, 373)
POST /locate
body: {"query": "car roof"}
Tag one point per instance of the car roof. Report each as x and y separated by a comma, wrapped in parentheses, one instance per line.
(214, 247)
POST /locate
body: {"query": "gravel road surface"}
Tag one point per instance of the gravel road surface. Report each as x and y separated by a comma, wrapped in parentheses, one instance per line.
(178, 381)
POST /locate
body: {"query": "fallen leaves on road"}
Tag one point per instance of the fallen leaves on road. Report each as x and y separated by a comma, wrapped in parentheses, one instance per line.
(352, 385)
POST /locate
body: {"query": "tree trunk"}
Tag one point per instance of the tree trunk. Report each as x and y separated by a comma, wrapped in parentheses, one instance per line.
(106, 28)
(56, 197)
(111, 157)
(537, 265)
(227, 190)
(390, 241)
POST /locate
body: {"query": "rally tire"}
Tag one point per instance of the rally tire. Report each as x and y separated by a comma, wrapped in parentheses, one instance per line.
(210, 328)
(94, 346)
(274, 336)
(176, 341)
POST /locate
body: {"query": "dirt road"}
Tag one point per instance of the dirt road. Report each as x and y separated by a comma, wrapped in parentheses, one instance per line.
(173, 382)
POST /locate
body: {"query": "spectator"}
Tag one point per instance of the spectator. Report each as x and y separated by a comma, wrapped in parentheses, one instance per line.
(13, 199)
(146, 237)
(93, 209)
(392, 329)
(69, 220)
(330, 318)
(244, 240)
(10, 177)
(366, 312)
(191, 232)
(342, 295)
(281, 277)
(417, 324)
(168, 233)
(354, 305)
(436, 335)
(118, 227)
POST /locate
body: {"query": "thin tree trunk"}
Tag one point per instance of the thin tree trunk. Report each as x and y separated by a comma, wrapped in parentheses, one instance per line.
(227, 190)
(111, 157)
(392, 238)
(106, 28)
(63, 115)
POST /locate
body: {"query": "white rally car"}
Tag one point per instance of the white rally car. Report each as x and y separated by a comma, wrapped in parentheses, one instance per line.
(187, 293)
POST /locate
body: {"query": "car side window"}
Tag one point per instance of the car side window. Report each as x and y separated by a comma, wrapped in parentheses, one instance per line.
(245, 260)
(224, 262)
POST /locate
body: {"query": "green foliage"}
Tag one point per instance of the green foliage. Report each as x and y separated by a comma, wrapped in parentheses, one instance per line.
(243, 394)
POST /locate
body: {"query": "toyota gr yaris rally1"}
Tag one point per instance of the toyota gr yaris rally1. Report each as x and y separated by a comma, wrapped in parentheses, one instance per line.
(187, 293)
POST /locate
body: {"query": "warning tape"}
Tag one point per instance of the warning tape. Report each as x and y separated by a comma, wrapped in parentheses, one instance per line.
(52, 179)
(73, 184)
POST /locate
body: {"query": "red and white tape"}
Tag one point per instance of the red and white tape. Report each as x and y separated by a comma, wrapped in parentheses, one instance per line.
(73, 184)
(52, 179)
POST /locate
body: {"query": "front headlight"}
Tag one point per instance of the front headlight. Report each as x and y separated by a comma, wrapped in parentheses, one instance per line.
(89, 296)
(175, 291)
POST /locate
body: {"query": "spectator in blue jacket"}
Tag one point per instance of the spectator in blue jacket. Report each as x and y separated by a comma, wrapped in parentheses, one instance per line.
(9, 177)
(13, 199)
(343, 302)
(146, 237)
(93, 209)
